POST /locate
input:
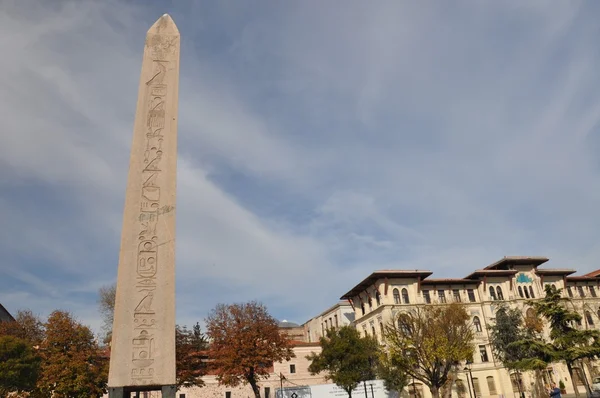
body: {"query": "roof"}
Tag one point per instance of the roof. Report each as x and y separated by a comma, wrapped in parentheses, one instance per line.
(555, 271)
(506, 261)
(582, 278)
(449, 281)
(593, 274)
(287, 324)
(371, 279)
(490, 272)
(5, 316)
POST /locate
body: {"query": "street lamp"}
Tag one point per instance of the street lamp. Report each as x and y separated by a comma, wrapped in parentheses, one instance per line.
(471, 383)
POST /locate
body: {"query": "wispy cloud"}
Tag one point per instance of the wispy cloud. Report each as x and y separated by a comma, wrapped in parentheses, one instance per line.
(317, 143)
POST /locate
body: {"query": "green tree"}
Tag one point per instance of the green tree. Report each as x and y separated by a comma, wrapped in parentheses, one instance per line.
(190, 347)
(567, 343)
(346, 357)
(429, 341)
(19, 365)
(245, 341)
(73, 366)
(390, 371)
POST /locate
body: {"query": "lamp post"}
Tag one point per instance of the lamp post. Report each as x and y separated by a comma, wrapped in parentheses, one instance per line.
(471, 384)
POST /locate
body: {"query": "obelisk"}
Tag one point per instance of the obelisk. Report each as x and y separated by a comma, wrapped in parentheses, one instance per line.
(143, 336)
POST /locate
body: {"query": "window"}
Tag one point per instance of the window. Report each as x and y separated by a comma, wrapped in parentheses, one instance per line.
(578, 322)
(477, 324)
(578, 376)
(492, 293)
(531, 291)
(323, 327)
(396, 296)
(569, 291)
(521, 291)
(405, 299)
(499, 292)
(456, 294)
(181, 395)
(373, 330)
(471, 294)
(362, 307)
(592, 291)
(227, 394)
(370, 304)
(516, 381)
(381, 328)
(336, 321)
(491, 385)
(476, 386)
(441, 296)
(598, 313)
(426, 296)
(483, 353)
(330, 323)
(326, 327)
(580, 290)
(589, 319)
(267, 392)
(526, 291)
(292, 368)
(377, 298)
(461, 389)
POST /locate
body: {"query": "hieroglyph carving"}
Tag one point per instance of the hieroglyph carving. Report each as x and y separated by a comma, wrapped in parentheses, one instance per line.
(147, 267)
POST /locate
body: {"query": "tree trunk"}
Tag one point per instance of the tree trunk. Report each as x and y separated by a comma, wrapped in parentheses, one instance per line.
(349, 393)
(538, 386)
(570, 369)
(450, 383)
(435, 392)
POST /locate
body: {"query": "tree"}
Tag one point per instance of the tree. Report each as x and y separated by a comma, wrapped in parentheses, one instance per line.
(245, 341)
(429, 341)
(26, 326)
(347, 358)
(190, 346)
(389, 370)
(72, 363)
(106, 306)
(19, 365)
(567, 343)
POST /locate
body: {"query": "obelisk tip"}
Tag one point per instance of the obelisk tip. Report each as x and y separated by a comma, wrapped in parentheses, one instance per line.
(164, 25)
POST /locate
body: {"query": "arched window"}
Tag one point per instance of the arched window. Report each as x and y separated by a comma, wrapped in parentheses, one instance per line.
(531, 292)
(362, 307)
(491, 385)
(520, 292)
(381, 328)
(492, 293)
(530, 313)
(589, 319)
(598, 313)
(405, 296)
(569, 291)
(377, 298)
(370, 304)
(526, 291)
(499, 292)
(396, 296)
(477, 324)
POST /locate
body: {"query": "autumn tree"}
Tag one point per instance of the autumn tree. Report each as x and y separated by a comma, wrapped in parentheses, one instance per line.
(567, 343)
(245, 341)
(26, 326)
(19, 365)
(429, 341)
(72, 363)
(190, 347)
(106, 306)
(346, 358)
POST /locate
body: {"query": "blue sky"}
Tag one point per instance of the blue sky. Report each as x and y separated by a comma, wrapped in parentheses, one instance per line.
(318, 142)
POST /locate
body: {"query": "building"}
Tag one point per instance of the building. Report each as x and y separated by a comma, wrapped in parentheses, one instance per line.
(293, 330)
(5, 316)
(382, 295)
(338, 315)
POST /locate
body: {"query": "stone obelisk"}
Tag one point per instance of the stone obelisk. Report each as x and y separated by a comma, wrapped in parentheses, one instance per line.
(143, 336)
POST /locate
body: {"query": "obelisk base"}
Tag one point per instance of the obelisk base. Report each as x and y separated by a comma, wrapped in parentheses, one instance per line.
(125, 392)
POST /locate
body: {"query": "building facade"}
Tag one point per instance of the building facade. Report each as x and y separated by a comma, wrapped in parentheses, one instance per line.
(383, 294)
(338, 315)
